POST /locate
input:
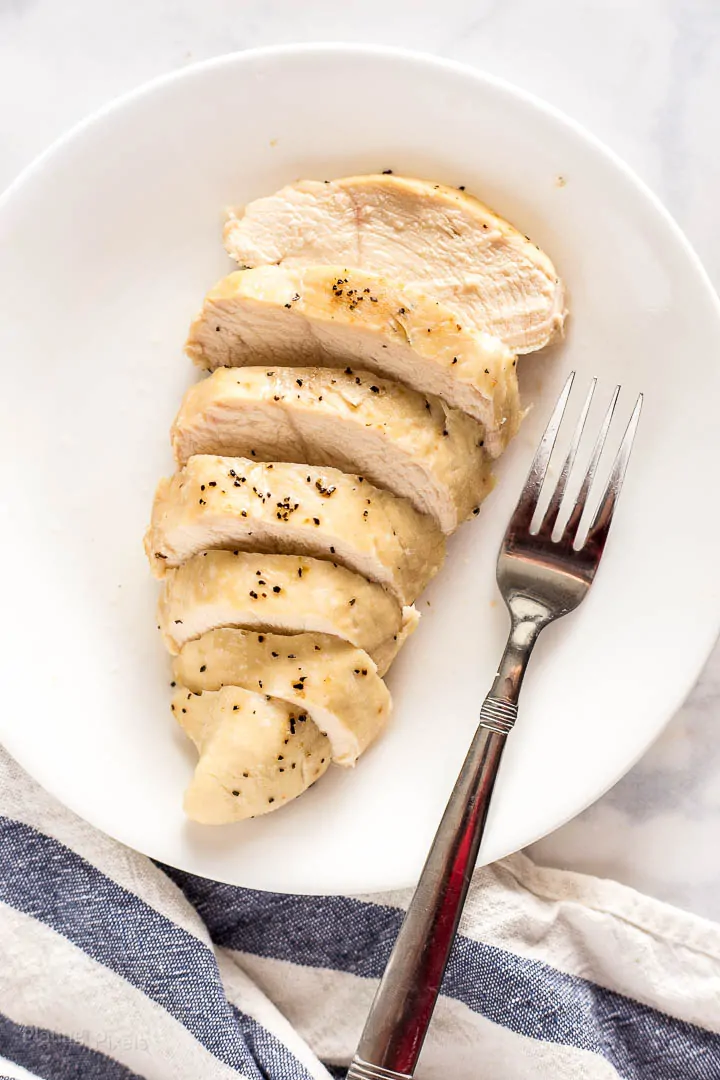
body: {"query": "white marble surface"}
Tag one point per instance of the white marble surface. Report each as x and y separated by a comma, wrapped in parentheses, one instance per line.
(642, 74)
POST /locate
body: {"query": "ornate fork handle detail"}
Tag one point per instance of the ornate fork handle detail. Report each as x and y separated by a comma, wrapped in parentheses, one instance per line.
(360, 1070)
(499, 715)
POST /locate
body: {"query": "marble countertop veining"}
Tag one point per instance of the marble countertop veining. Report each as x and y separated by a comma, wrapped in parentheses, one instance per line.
(642, 75)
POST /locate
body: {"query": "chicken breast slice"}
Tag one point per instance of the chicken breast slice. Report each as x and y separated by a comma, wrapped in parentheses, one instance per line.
(437, 239)
(237, 503)
(255, 753)
(284, 593)
(328, 316)
(336, 683)
(415, 446)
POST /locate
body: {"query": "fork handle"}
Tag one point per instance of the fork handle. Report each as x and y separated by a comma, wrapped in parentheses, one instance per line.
(400, 1015)
(401, 1012)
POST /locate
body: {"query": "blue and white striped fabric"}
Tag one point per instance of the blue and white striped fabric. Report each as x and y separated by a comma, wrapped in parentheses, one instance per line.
(113, 968)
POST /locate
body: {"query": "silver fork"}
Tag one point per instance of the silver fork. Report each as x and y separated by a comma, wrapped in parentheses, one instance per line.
(541, 579)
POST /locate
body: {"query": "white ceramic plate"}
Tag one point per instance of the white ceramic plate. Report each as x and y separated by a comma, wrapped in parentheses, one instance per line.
(107, 245)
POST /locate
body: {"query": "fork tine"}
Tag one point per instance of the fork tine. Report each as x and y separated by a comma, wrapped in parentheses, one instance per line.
(570, 530)
(527, 502)
(597, 533)
(551, 514)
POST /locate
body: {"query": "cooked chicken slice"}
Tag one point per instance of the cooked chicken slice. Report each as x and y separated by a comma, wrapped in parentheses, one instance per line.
(256, 753)
(414, 446)
(435, 238)
(236, 503)
(333, 317)
(285, 593)
(336, 683)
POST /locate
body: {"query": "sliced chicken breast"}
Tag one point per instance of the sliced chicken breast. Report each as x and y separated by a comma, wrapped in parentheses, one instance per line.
(255, 753)
(414, 446)
(332, 317)
(435, 238)
(336, 683)
(284, 593)
(237, 503)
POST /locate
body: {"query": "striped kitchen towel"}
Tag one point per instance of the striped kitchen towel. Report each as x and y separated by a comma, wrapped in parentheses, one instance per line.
(113, 968)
